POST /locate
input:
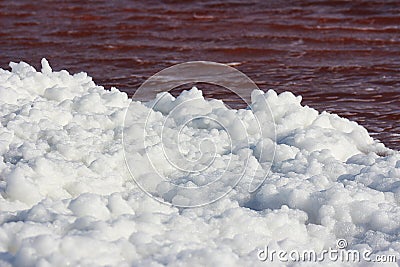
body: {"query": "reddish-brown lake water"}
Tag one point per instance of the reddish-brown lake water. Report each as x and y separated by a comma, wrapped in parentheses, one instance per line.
(341, 56)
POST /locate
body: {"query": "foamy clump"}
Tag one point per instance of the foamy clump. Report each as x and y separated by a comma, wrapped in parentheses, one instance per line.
(67, 197)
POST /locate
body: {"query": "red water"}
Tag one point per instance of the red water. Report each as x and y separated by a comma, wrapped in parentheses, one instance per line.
(341, 56)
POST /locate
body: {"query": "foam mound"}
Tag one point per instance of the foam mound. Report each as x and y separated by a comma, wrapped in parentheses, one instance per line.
(67, 196)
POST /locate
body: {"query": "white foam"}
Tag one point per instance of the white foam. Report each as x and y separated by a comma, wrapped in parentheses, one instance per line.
(66, 196)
